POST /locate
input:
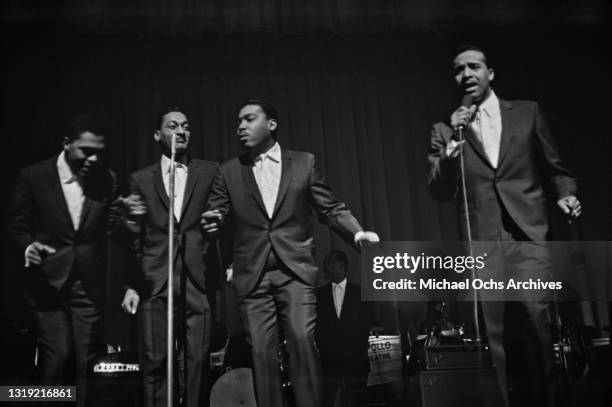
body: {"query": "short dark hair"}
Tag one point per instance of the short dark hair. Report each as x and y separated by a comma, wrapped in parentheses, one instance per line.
(83, 123)
(472, 47)
(339, 255)
(266, 107)
(168, 109)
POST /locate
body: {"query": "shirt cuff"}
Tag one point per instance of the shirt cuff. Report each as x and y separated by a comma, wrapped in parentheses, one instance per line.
(358, 236)
(25, 255)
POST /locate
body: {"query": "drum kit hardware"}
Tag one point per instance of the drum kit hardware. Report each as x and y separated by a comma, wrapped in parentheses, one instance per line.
(233, 381)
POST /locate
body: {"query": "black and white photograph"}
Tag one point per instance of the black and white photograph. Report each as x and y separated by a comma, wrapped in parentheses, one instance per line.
(306, 203)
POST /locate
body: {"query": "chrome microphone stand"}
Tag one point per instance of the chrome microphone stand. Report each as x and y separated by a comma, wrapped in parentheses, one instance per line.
(460, 133)
(170, 311)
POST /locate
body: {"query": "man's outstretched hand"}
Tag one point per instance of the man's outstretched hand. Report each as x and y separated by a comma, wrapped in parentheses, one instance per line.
(366, 238)
(570, 205)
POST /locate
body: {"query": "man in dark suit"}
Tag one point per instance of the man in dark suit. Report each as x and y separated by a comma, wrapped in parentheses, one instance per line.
(343, 326)
(60, 223)
(509, 155)
(147, 220)
(270, 193)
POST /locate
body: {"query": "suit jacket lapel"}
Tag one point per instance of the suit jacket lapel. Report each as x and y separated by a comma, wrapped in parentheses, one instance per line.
(249, 180)
(158, 183)
(286, 175)
(507, 133)
(348, 294)
(57, 193)
(192, 176)
(477, 146)
(331, 306)
(84, 211)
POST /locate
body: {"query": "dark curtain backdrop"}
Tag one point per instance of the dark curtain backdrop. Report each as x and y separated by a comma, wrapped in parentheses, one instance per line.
(363, 103)
(198, 17)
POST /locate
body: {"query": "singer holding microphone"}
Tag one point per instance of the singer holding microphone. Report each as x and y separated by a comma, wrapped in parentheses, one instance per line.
(146, 218)
(508, 156)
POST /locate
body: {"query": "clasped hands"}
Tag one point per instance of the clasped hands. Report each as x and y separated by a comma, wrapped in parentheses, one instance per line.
(134, 204)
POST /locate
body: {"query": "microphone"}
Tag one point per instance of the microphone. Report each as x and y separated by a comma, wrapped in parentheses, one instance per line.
(467, 101)
(173, 146)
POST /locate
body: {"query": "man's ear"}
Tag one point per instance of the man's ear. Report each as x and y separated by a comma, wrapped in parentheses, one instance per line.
(272, 124)
(65, 142)
(156, 135)
(491, 74)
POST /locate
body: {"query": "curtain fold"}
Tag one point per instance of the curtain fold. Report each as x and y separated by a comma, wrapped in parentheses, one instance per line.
(197, 17)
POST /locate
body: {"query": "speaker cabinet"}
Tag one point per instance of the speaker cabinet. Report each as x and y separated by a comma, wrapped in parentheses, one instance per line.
(457, 387)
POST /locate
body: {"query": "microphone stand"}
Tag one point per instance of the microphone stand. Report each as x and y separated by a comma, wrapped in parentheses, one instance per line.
(461, 132)
(170, 310)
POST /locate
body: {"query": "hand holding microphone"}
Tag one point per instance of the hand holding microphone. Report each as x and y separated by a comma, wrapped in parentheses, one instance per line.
(460, 120)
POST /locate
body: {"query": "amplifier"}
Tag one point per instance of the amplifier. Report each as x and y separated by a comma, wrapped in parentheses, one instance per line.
(455, 357)
(456, 388)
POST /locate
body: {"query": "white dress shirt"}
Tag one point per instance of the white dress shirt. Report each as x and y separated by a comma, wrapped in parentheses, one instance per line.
(487, 126)
(180, 179)
(338, 291)
(267, 169)
(73, 192)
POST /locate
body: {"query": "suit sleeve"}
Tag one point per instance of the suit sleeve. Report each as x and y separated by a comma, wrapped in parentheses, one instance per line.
(133, 278)
(331, 212)
(127, 234)
(23, 218)
(562, 179)
(443, 178)
(123, 229)
(219, 198)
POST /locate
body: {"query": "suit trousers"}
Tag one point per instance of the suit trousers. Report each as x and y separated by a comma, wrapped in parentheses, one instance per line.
(281, 300)
(519, 332)
(192, 325)
(68, 323)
